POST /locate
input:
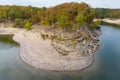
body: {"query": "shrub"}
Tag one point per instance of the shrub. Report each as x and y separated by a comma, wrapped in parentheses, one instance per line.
(95, 25)
(53, 37)
(44, 36)
(28, 25)
(19, 23)
(98, 22)
(44, 23)
(92, 26)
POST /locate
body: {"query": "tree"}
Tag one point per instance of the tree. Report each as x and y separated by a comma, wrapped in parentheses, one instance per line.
(81, 18)
(63, 20)
(36, 18)
(90, 16)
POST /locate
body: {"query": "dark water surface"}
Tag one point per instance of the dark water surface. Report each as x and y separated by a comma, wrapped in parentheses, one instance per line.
(105, 67)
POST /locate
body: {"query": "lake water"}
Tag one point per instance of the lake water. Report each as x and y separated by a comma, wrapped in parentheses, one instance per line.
(105, 67)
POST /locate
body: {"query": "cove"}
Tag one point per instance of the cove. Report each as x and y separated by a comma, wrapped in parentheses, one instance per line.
(106, 65)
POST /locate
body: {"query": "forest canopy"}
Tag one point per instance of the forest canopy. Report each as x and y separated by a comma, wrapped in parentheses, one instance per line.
(64, 16)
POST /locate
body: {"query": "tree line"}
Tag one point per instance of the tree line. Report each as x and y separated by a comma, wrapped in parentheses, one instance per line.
(102, 13)
(65, 16)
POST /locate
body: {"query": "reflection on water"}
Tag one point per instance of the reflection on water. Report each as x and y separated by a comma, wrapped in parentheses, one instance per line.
(105, 67)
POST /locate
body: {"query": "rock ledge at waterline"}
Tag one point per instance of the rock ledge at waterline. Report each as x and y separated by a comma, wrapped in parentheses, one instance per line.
(69, 52)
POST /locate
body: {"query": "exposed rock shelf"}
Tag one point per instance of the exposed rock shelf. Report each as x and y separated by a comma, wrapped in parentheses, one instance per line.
(55, 55)
(63, 53)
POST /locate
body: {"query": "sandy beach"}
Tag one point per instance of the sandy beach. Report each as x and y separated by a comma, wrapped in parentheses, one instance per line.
(116, 21)
(113, 21)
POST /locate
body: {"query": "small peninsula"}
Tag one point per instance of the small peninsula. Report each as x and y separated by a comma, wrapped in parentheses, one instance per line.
(61, 38)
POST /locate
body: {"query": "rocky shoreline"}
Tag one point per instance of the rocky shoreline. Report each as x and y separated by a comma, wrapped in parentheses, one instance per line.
(56, 54)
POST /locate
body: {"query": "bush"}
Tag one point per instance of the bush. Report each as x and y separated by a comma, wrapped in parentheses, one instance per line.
(19, 23)
(53, 37)
(92, 26)
(28, 25)
(44, 36)
(95, 25)
(44, 23)
(98, 22)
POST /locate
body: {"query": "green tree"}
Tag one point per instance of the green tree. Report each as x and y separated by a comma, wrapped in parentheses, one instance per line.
(81, 18)
(64, 20)
(90, 16)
